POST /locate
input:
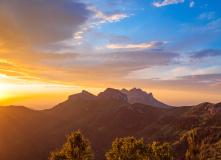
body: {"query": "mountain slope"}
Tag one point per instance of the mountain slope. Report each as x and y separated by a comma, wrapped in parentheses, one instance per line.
(28, 134)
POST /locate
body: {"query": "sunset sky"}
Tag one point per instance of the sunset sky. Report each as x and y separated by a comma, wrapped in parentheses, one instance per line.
(50, 49)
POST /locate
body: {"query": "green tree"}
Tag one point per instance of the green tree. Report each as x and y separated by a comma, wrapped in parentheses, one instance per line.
(132, 149)
(194, 150)
(163, 152)
(76, 148)
(126, 149)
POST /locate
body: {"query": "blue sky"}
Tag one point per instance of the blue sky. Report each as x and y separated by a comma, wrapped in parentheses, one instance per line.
(186, 27)
(157, 45)
(174, 23)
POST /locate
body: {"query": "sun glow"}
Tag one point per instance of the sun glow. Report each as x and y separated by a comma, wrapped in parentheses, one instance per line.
(2, 90)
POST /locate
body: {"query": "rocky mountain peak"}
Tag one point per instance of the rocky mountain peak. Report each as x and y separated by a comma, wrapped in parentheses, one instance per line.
(85, 92)
(136, 95)
(111, 93)
(124, 90)
(84, 95)
(135, 89)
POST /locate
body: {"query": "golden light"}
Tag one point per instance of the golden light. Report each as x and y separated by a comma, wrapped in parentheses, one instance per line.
(1, 94)
(1, 91)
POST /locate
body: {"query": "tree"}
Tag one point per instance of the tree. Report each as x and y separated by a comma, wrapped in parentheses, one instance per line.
(131, 149)
(126, 149)
(194, 151)
(76, 148)
(163, 152)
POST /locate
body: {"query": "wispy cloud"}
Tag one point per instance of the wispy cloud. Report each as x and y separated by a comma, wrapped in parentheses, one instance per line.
(104, 17)
(137, 46)
(206, 53)
(99, 67)
(207, 79)
(192, 4)
(212, 26)
(6, 63)
(207, 70)
(116, 17)
(207, 15)
(167, 2)
(216, 84)
(78, 37)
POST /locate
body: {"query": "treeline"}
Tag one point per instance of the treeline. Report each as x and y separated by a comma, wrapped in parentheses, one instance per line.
(129, 148)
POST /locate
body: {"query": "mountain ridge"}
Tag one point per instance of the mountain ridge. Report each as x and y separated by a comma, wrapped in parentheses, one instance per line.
(131, 96)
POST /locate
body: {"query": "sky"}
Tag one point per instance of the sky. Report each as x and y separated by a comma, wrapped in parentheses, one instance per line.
(52, 49)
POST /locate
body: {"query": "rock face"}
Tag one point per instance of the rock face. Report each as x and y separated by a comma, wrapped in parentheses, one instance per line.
(84, 95)
(138, 96)
(206, 107)
(213, 109)
(110, 93)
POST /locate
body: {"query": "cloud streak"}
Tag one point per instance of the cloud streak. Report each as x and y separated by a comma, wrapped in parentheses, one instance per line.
(167, 2)
(213, 26)
(98, 67)
(216, 84)
(207, 15)
(152, 44)
(206, 53)
(104, 17)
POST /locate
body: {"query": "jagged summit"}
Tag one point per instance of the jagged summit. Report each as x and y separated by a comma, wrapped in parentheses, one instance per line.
(136, 95)
(124, 90)
(84, 95)
(111, 93)
(135, 89)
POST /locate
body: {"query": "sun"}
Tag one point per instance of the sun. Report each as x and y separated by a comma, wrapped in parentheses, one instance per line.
(2, 89)
(1, 94)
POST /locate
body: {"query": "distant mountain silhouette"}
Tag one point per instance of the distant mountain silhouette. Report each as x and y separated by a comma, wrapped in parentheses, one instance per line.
(111, 93)
(28, 134)
(138, 96)
(84, 95)
(132, 96)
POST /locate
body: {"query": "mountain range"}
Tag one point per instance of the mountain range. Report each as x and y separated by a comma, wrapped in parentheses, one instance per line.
(30, 134)
(131, 96)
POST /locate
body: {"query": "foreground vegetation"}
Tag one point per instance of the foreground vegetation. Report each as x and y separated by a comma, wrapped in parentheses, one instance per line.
(129, 148)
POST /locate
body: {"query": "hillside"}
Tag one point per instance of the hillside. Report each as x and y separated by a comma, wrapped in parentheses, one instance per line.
(28, 134)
